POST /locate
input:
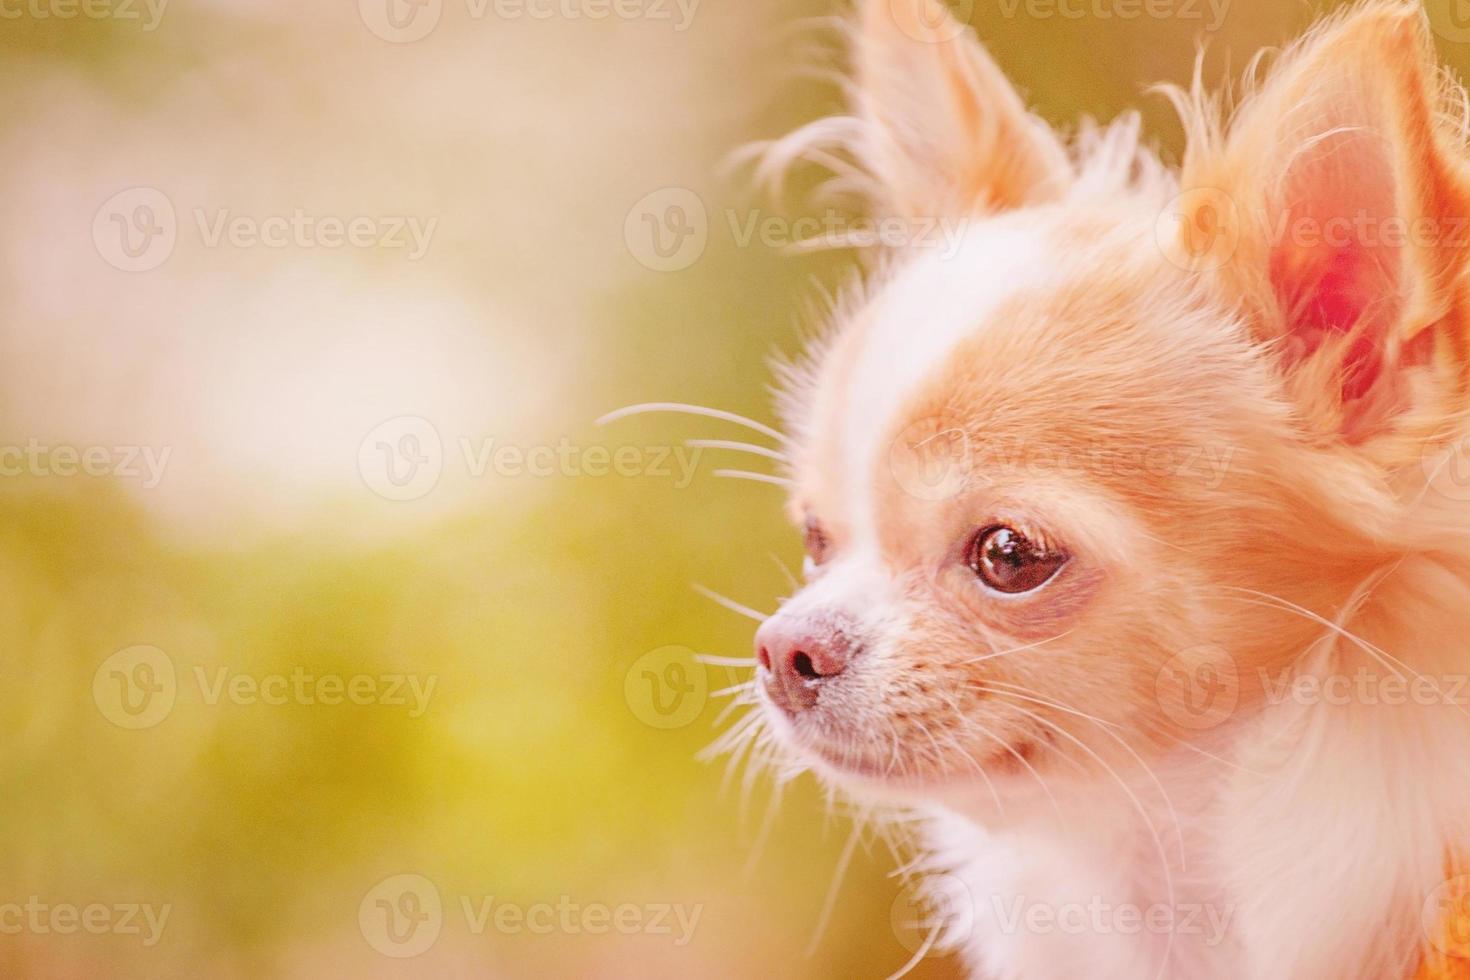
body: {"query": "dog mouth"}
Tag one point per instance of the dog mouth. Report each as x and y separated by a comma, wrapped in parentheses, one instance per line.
(895, 764)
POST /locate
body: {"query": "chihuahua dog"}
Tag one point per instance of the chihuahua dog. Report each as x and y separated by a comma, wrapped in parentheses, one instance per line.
(1138, 522)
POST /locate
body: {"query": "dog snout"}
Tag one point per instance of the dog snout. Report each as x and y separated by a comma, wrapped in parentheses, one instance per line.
(800, 657)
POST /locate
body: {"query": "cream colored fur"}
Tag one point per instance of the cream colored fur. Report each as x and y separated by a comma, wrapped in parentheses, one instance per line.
(1304, 513)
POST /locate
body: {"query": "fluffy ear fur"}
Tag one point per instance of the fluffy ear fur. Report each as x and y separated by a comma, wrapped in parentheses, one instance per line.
(1337, 209)
(945, 132)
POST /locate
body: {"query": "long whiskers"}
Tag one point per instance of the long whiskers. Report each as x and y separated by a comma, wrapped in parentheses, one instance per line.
(1137, 804)
(1019, 649)
(1111, 731)
(830, 902)
(771, 478)
(730, 604)
(1389, 661)
(744, 447)
(684, 408)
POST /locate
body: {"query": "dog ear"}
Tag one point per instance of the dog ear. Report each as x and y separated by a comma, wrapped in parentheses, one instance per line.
(944, 133)
(1336, 211)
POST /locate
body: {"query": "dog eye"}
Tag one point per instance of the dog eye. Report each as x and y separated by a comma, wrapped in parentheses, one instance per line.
(1007, 561)
(816, 544)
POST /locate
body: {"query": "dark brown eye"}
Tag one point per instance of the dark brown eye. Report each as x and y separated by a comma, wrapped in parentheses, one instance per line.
(816, 542)
(1007, 561)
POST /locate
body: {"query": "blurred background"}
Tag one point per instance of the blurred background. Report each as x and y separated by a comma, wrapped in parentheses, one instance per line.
(338, 641)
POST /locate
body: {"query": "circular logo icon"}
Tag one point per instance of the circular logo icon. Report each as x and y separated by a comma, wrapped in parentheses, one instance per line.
(402, 459)
(136, 687)
(932, 459)
(401, 916)
(401, 21)
(936, 910)
(1199, 230)
(135, 230)
(667, 687)
(667, 231)
(1447, 917)
(1450, 19)
(929, 21)
(1198, 688)
(1447, 469)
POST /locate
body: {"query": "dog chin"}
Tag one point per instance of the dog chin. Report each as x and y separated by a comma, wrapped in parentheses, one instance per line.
(889, 779)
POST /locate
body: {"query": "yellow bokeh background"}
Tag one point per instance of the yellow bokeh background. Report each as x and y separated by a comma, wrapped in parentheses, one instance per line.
(525, 599)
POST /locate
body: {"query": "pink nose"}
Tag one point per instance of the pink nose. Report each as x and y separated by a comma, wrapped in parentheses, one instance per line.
(798, 659)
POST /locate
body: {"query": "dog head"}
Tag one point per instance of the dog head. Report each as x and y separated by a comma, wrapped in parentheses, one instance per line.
(1070, 486)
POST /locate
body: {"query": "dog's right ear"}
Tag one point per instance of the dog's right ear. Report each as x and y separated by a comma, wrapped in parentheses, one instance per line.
(945, 134)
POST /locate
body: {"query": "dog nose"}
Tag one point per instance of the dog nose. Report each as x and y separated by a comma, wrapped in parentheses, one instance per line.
(797, 659)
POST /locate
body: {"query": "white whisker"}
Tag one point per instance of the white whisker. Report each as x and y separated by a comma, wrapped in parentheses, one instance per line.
(714, 661)
(771, 478)
(731, 605)
(744, 447)
(1006, 653)
(683, 408)
(830, 902)
(790, 579)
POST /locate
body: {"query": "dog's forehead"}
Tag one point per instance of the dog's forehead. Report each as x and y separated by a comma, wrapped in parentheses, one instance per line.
(910, 332)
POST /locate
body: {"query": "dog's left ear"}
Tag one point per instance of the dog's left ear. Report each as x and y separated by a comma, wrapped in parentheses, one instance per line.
(1336, 211)
(943, 131)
